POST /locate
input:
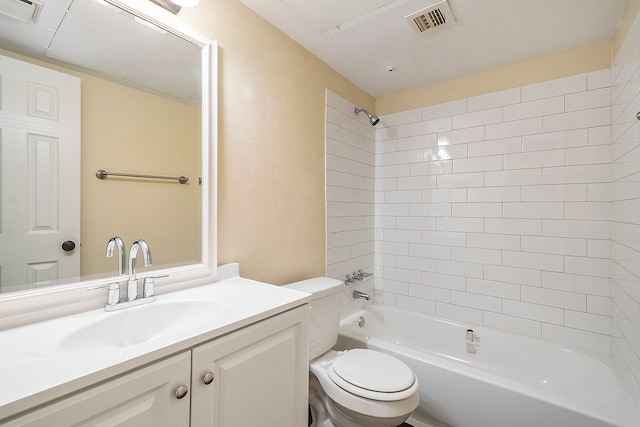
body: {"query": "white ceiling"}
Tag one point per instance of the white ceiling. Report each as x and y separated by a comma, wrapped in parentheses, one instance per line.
(362, 39)
(100, 39)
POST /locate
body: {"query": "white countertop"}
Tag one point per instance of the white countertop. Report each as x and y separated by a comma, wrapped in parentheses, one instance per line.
(35, 366)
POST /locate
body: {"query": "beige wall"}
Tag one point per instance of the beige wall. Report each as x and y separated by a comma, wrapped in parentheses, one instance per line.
(568, 63)
(271, 144)
(127, 130)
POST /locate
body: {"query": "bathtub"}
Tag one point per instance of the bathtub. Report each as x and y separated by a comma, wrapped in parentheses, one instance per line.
(499, 380)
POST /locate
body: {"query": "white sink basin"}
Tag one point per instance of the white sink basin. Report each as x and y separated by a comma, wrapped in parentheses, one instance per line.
(141, 324)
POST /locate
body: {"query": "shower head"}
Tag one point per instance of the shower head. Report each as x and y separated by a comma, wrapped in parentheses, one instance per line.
(372, 119)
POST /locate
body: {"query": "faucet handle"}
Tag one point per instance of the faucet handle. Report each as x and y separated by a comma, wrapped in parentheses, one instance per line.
(362, 274)
(147, 287)
(113, 294)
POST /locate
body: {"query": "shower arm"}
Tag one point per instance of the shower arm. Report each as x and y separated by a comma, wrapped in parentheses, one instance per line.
(372, 118)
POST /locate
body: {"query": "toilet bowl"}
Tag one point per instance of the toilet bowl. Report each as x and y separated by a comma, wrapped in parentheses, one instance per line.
(352, 388)
(362, 388)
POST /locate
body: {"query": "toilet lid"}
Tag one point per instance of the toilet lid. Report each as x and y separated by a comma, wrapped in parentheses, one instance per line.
(373, 370)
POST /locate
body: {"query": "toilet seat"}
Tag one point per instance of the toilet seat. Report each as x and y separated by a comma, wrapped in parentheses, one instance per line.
(372, 375)
(359, 400)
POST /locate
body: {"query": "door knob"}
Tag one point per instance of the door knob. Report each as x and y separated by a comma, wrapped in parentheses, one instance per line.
(68, 246)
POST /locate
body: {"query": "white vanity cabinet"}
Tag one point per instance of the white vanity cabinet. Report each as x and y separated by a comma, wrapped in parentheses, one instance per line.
(143, 398)
(257, 376)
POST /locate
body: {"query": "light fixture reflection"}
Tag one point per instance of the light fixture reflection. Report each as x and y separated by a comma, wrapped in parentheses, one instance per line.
(186, 3)
(174, 6)
(443, 154)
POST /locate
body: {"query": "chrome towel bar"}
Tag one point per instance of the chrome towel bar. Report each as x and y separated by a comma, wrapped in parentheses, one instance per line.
(103, 174)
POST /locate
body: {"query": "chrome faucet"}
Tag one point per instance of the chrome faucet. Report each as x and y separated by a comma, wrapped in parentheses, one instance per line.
(360, 274)
(114, 301)
(132, 283)
(122, 253)
(359, 294)
(113, 296)
(356, 276)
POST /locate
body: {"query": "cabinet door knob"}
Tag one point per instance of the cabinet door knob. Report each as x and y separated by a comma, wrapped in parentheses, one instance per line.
(208, 378)
(182, 391)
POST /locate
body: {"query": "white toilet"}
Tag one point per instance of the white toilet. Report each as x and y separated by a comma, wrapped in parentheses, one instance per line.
(352, 388)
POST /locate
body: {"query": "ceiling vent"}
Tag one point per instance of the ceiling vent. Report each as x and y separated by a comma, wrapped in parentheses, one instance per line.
(22, 10)
(432, 18)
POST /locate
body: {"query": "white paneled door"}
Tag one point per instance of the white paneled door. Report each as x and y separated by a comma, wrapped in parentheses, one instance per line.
(39, 175)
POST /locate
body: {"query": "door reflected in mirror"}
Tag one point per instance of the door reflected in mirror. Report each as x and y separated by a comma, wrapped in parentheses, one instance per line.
(138, 100)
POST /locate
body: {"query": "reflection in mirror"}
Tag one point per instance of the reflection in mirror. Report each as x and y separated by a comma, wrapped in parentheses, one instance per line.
(106, 90)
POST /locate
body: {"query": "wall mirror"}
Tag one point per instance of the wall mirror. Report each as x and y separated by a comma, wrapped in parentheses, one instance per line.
(146, 85)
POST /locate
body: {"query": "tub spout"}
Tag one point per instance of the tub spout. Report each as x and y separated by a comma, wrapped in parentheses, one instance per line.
(358, 294)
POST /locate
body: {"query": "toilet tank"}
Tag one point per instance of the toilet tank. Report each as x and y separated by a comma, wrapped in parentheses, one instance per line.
(324, 312)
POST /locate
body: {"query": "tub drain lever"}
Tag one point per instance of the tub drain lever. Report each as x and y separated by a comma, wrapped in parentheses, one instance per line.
(472, 338)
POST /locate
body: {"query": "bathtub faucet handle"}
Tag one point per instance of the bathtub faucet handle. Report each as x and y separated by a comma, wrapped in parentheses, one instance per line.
(361, 274)
(356, 276)
(349, 278)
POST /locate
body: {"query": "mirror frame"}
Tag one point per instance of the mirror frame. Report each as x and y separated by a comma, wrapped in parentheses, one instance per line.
(39, 304)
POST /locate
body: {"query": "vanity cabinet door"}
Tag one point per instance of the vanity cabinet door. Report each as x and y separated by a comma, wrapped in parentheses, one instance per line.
(258, 376)
(143, 398)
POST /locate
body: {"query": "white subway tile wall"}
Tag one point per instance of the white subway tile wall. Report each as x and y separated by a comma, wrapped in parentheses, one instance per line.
(350, 195)
(495, 210)
(624, 309)
(518, 209)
